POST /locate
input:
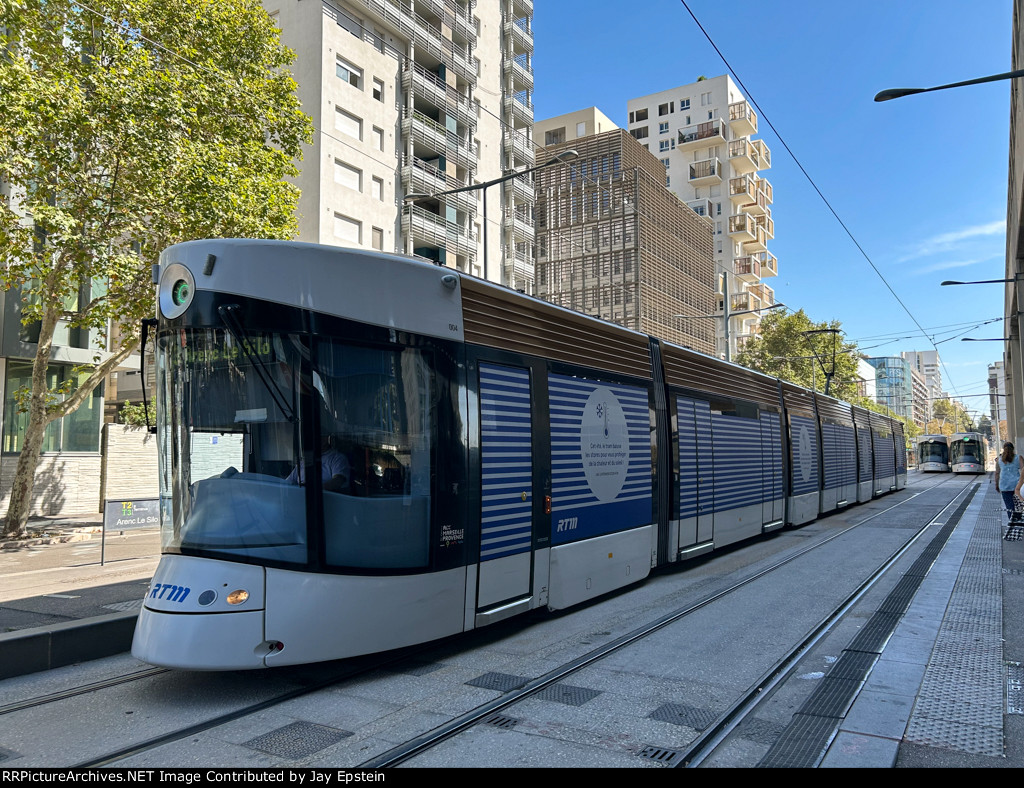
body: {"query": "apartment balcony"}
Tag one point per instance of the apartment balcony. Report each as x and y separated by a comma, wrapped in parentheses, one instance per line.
(764, 154)
(765, 222)
(759, 240)
(766, 187)
(519, 33)
(430, 135)
(522, 74)
(705, 172)
(742, 228)
(744, 302)
(428, 37)
(744, 157)
(424, 226)
(520, 225)
(518, 269)
(742, 119)
(521, 189)
(702, 207)
(701, 135)
(461, 21)
(422, 178)
(769, 265)
(518, 110)
(747, 269)
(522, 7)
(421, 82)
(393, 12)
(519, 147)
(763, 293)
(743, 189)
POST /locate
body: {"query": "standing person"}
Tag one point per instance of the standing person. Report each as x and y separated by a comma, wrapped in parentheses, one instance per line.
(1009, 478)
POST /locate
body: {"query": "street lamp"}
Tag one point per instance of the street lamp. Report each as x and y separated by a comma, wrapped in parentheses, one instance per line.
(728, 315)
(559, 158)
(892, 93)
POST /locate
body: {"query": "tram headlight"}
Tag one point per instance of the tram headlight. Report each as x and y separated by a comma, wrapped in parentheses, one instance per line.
(177, 289)
(237, 597)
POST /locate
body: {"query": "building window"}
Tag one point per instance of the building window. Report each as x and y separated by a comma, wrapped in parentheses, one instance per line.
(581, 129)
(665, 109)
(555, 136)
(378, 90)
(684, 104)
(378, 189)
(78, 431)
(640, 133)
(641, 114)
(663, 128)
(353, 75)
(348, 176)
(705, 99)
(668, 181)
(666, 162)
(348, 124)
(347, 229)
(378, 238)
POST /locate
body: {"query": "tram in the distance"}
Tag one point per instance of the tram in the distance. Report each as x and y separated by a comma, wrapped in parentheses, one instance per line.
(933, 454)
(968, 452)
(363, 451)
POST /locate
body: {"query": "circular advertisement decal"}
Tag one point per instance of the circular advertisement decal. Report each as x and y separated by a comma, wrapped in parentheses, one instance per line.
(604, 444)
(805, 454)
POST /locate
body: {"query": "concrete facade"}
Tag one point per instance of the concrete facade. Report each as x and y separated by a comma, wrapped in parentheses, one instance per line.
(417, 97)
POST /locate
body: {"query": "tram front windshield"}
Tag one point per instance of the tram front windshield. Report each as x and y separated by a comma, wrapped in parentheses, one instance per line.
(967, 450)
(933, 452)
(236, 426)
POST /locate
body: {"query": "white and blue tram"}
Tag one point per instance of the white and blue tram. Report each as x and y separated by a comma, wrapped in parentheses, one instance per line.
(967, 452)
(481, 453)
(933, 454)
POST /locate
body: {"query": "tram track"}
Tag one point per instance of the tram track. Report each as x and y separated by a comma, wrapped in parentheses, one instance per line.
(482, 713)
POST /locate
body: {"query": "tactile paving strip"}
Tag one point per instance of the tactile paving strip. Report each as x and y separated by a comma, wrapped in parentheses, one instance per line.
(298, 740)
(1014, 688)
(960, 703)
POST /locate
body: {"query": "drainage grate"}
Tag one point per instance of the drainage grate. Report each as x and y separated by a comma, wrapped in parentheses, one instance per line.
(503, 682)
(501, 721)
(659, 754)
(568, 694)
(298, 740)
(761, 731)
(1014, 688)
(681, 714)
(125, 607)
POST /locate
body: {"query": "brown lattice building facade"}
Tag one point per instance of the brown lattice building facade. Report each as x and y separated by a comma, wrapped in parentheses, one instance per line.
(613, 242)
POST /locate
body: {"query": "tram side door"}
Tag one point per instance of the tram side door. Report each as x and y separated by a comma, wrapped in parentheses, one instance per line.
(505, 568)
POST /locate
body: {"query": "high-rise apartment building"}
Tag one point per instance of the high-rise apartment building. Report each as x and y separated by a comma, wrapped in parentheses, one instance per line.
(417, 97)
(928, 363)
(894, 384)
(702, 133)
(613, 242)
(997, 399)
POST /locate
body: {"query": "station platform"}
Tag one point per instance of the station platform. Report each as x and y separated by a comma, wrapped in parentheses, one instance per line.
(947, 691)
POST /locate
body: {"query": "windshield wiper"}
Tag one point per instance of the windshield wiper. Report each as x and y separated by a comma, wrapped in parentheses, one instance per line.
(227, 314)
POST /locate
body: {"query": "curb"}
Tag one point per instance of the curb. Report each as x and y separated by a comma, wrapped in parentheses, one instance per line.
(43, 648)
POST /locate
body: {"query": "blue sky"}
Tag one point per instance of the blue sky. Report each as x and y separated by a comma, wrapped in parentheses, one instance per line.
(921, 182)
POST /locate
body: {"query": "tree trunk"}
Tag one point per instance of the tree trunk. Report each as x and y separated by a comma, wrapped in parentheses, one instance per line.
(20, 505)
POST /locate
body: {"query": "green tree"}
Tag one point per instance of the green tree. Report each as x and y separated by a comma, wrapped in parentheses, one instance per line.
(126, 126)
(795, 348)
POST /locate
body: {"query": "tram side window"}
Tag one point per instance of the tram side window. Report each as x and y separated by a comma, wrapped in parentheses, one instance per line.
(376, 411)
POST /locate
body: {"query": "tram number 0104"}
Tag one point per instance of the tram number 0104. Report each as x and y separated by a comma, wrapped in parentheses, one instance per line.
(173, 593)
(568, 524)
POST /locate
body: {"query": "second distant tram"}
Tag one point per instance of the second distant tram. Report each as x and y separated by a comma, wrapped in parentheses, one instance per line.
(967, 452)
(933, 454)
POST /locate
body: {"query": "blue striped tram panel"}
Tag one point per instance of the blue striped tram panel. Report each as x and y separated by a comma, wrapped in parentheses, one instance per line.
(865, 465)
(840, 465)
(737, 457)
(772, 479)
(600, 458)
(696, 471)
(506, 461)
(805, 454)
(885, 461)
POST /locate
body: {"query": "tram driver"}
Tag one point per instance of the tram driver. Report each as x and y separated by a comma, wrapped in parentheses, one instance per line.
(334, 468)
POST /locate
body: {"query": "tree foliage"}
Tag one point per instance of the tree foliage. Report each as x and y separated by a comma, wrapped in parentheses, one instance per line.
(795, 348)
(127, 126)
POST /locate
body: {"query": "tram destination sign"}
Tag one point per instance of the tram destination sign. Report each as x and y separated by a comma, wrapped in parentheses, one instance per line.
(119, 515)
